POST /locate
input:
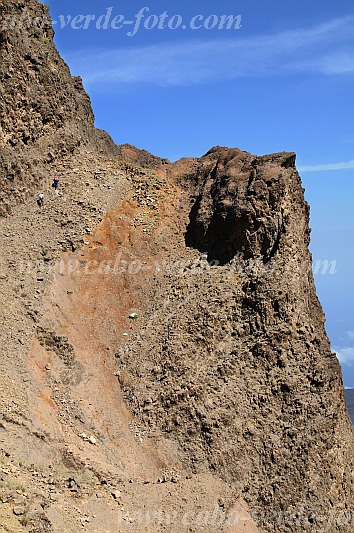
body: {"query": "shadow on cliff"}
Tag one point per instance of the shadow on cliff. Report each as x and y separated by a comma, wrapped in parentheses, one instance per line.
(223, 237)
(229, 232)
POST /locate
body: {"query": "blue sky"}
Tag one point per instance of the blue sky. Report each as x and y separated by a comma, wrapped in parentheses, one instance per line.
(280, 79)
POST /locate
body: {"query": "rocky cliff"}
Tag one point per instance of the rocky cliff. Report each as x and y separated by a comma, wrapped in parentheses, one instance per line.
(164, 361)
(44, 111)
(241, 375)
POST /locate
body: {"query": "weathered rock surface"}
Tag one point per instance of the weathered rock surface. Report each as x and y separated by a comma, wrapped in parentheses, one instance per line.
(241, 375)
(218, 406)
(44, 111)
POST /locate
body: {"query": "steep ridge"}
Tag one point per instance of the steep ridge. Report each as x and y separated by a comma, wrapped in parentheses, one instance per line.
(164, 363)
(242, 377)
(44, 111)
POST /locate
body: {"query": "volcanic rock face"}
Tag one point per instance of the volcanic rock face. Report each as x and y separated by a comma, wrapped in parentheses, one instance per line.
(241, 373)
(220, 394)
(238, 208)
(44, 111)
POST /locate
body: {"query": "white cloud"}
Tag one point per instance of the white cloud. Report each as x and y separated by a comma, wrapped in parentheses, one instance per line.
(341, 62)
(326, 166)
(326, 49)
(345, 355)
(350, 334)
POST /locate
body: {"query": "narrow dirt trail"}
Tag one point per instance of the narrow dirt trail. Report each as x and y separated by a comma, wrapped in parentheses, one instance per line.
(31, 240)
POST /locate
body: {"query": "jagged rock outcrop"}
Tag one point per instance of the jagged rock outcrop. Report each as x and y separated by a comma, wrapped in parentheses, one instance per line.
(236, 366)
(238, 207)
(44, 111)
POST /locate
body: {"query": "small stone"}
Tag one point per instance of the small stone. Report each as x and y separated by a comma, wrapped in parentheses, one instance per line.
(72, 484)
(92, 439)
(19, 510)
(19, 501)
